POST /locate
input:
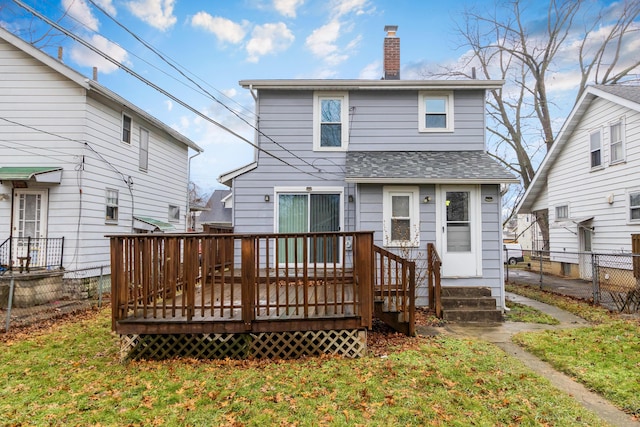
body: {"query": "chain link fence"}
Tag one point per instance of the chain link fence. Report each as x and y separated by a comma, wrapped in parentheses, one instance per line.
(611, 280)
(30, 297)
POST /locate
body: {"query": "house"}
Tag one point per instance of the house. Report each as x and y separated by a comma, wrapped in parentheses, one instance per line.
(403, 158)
(598, 147)
(217, 213)
(79, 162)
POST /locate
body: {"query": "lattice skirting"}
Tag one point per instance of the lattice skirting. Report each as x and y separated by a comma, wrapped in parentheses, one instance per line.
(272, 345)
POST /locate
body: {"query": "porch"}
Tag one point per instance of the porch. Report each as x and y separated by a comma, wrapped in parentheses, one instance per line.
(27, 253)
(323, 288)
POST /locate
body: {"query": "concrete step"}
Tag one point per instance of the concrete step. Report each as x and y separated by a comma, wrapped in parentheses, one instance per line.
(474, 315)
(486, 303)
(465, 292)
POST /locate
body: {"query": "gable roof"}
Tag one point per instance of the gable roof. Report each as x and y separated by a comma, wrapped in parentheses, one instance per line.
(432, 167)
(216, 212)
(355, 84)
(627, 96)
(91, 85)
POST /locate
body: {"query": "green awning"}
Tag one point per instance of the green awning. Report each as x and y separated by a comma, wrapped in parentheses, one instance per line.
(25, 173)
(151, 224)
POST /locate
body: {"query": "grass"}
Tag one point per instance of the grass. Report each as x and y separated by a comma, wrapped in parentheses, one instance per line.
(71, 375)
(524, 313)
(605, 357)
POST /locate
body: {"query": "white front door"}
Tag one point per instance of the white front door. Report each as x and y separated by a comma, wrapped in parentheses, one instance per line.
(585, 261)
(29, 220)
(459, 223)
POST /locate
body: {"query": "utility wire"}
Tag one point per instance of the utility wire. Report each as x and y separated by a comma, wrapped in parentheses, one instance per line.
(154, 86)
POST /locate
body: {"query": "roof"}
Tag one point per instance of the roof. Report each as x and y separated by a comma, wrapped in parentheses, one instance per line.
(425, 167)
(355, 84)
(50, 174)
(91, 85)
(227, 178)
(625, 95)
(216, 213)
(152, 224)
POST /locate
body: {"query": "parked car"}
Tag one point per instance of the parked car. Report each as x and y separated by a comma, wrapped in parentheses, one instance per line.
(513, 253)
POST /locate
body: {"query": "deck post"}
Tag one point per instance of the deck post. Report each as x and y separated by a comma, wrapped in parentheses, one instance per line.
(364, 275)
(248, 278)
(117, 271)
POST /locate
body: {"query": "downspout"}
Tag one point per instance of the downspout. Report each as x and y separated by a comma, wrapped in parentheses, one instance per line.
(188, 212)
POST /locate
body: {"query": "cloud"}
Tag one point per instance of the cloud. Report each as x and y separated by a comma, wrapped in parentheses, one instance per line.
(287, 7)
(224, 29)
(371, 71)
(108, 6)
(345, 7)
(169, 104)
(85, 57)
(80, 11)
(157, 13)
(267, 39)
(323, 43)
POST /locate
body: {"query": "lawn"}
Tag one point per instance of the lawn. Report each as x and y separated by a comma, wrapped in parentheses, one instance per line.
(604, 357)
(71, 375)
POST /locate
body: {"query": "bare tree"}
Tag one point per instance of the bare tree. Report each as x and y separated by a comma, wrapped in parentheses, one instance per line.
(573, 37)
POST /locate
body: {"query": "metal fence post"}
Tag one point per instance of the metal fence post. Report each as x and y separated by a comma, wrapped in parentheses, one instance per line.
(540, 257)
(9, 303)
(594, 278)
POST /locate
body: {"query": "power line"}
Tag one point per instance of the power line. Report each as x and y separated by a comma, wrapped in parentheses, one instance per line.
(159, 89)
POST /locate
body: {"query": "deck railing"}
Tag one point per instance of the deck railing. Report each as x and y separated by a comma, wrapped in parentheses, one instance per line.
(204, 283)
(25, 253)
(434, 283)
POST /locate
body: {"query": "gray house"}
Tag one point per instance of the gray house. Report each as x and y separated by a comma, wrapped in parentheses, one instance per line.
(405, 159)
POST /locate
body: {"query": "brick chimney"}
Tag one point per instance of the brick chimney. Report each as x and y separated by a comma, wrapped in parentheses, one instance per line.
(391, 53)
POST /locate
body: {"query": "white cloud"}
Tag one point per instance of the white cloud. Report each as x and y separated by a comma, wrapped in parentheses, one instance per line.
(267, 39)
(224, 29)
(85, 57)
(357, 7)
(371, 71)
(323, 43)
(80, 11)
(287, 7)
(169, 104)
(157, 13)
(108, 6)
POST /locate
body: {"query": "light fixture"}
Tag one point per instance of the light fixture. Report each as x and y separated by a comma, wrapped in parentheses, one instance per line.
(350, 198)
(488, 199)
(426, 199)
(266, 198)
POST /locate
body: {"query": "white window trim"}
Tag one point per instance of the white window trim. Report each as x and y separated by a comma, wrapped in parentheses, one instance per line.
(122, 128)
(422, 96)
(555, 211)
(344, 118)
(173, 218)
(628, 206)
(414, 212)
(106, 204)
(621, 121)
(601, 165)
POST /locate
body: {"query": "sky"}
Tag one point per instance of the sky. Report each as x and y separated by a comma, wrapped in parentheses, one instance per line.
(217, 43)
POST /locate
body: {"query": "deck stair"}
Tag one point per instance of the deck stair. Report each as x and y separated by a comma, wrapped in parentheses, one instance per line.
(470, 304)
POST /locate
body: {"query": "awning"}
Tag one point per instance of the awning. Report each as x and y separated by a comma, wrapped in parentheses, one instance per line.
(150, 224)
(45, 174)
(570, 222)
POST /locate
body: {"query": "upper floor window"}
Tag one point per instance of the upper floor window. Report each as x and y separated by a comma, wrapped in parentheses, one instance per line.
(331, 121)
(126, 129)
(562, 212)
(435, 112)
(401, 212)
(617, 142)
(595, 144)
(634, 207)
(111, 205)
(174, 213)
(143, 161)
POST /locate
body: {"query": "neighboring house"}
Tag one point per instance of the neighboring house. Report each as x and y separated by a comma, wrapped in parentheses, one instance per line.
(589, 181)
(405, 159)
(80, 162)
(217, 214)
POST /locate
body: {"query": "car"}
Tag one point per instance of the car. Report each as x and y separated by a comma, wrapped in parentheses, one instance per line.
(513, 253)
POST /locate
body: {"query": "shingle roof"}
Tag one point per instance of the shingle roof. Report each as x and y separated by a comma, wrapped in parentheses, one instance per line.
(216, 213)
(628, 92)
(425, 167)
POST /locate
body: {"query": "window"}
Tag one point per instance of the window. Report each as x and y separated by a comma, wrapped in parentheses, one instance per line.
(126, 129)
(331, 124)
(617, 142)
(143, 161)
(435, 112)
(562, 212)
(299, 211)
(596, 149)
(400, 211)
(634, 207)
(111, 202)
(174, 213)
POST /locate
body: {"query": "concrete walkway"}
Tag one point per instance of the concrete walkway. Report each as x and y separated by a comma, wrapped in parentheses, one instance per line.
(500, 334)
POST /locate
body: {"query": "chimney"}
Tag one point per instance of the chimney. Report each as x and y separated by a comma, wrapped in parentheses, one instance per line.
(391, 53)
